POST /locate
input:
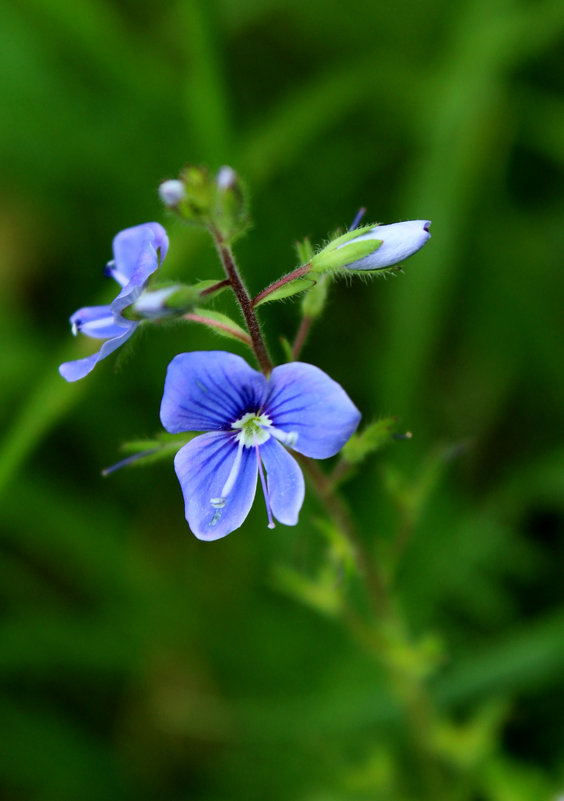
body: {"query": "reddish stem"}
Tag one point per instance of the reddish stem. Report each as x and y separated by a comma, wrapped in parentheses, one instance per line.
(301, 336)
(244, 300)
(215, 287)
(198, 318)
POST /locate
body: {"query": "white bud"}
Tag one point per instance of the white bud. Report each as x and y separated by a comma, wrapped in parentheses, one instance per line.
(171, 192)
(226, 178)
(399, 241)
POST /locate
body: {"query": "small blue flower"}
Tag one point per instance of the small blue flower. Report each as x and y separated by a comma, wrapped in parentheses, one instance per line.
(249, 420)
(135, 259)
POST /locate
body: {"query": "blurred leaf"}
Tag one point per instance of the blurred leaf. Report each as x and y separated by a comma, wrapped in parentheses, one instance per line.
(372, 438)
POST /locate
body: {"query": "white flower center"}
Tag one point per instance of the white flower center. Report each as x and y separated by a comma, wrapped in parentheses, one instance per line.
(253, 429)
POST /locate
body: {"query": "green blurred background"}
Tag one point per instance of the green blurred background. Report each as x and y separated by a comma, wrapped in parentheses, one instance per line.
(135, 661)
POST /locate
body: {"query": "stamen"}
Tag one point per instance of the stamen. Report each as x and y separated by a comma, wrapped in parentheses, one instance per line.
(219, 503)
(264, 489)
(288, 438)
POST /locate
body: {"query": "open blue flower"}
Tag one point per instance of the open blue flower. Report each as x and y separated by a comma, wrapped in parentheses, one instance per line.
(136, 256)
(249, 420)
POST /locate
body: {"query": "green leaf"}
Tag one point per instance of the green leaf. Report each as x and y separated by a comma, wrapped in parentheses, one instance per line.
(287, 290)
(314, 302)
(321, 593)
(148, 451)
(336, 258)
(374, 437)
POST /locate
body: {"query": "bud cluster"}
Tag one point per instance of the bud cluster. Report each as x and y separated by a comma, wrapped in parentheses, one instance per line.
(216, 202)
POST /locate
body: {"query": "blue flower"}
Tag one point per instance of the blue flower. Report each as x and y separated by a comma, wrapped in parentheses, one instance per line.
(135, 259)
(249, 420)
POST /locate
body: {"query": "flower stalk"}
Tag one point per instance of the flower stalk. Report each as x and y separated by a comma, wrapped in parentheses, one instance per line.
(244, 300)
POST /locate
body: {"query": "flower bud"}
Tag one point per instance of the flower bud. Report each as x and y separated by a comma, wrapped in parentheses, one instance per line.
(226, 178)
(216, 202)
(374, 247)
(230, 207)
(172, 192)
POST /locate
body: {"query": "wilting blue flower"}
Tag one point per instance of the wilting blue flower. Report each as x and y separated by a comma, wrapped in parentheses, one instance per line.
(249, 420)
(135, 259)
(399, 241)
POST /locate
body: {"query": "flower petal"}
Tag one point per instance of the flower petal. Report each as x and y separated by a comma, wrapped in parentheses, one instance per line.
(98, 322)
(135, 259)
(202, 467)
(79, 368)
(304, 400)
(209, 390)
(285, 481)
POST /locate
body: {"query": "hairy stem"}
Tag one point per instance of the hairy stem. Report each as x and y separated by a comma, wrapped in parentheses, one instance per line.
(286, 279)
(244, 300)
(201, 318)
(211, 289)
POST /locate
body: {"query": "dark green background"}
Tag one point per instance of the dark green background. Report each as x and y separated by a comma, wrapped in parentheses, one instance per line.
(135, 661)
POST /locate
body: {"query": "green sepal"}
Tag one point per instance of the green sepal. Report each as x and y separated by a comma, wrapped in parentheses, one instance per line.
(231, 330)
(371, 439)
(334, 259)
(182, 299)
(314, 302)
(304, 250)
(200, 190)
(343, 238)
(288, 290)
(187, 296)
(230, 209)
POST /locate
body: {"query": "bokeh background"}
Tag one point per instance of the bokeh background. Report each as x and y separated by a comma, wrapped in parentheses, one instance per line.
(138, 663)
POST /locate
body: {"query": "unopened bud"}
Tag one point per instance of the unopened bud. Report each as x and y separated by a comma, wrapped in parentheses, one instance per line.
(172, 192)
(230, 206)
(226, 178)
(373, 247)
